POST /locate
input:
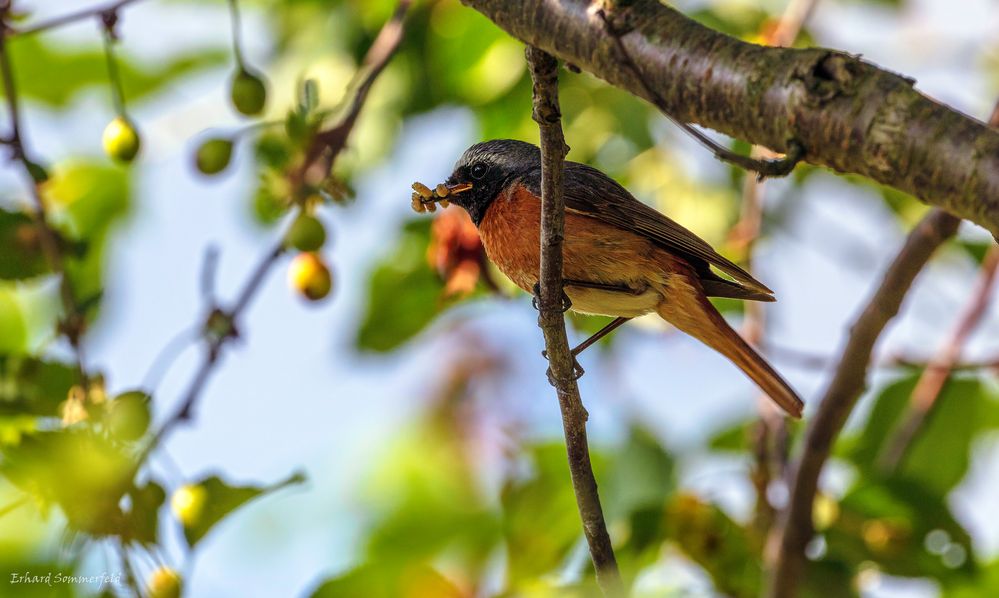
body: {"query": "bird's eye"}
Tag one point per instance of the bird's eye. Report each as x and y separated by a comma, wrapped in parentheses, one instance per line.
(478, 170)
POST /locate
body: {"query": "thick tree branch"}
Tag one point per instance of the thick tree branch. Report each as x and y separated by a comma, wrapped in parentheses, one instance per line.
(847, 384)
(544, 72)
(848, 114)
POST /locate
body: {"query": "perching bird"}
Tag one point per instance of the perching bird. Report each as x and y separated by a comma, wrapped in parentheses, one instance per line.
(621, 257)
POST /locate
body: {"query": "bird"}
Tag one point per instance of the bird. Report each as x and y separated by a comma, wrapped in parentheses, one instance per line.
(621, 257)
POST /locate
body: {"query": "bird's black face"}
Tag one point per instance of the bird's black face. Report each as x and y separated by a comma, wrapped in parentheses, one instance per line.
(490, 167)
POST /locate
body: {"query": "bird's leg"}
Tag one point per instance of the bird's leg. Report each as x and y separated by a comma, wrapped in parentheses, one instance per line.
(611, 327)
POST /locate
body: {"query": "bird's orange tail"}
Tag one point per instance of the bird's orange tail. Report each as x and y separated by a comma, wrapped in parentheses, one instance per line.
(690, 311)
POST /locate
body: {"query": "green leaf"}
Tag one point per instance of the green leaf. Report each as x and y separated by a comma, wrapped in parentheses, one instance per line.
(33, 387)
(725, 550)
(20, 247)
(640, 475)
(378, 581)
(13, 329)
(404, 293)
(86, 201)
(143, 515)
(54, 74)
(222, 499)
(544, 498)
(887, 522)
(939, 456)
(86, 475)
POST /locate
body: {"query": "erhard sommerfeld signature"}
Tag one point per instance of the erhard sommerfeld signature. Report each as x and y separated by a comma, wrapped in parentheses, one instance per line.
(57, 578)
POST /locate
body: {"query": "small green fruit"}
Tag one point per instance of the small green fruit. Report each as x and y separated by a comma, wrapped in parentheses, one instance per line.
(128, 416)
(249, 93)
(121, 140)
(306, 233)
(213, 156)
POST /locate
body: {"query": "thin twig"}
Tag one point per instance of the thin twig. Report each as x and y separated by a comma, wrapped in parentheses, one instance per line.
(72, 17)
(544, 72)
(770, 437)
(788, 541)
(221, 324)
(764, 167)
(72, 326)
(933, 379)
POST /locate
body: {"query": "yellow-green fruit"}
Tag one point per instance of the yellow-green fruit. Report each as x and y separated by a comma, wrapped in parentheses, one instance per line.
(310, 277)
(163, 583)
(188, 504)
(306, 233)
(213, 156)
(248, 92)
(128, 416)
(121, 140)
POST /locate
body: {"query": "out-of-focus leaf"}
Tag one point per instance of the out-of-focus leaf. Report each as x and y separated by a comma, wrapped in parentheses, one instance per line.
(828, 579)
(939, 455)
(544, 498)
(734, 438)
(32, 386)
(431, 502)
(715, 542)
(640, 475)
(985, 583)
(81, 472)
(404, 293)
(377, 581)
(221, 499)
(13, 329)
(143, 515)
(20, 247)
(53, 75)
(887, 523)
(86, 200)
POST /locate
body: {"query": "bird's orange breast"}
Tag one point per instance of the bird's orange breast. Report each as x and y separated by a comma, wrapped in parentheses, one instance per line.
(593, 251)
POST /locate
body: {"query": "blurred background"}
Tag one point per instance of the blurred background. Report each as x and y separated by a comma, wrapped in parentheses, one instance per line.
(412, 401)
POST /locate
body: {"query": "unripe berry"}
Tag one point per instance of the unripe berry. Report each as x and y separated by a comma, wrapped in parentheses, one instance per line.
(121, 140)
(248, 93)
(306, 233)
(213, 156)
(128, 416)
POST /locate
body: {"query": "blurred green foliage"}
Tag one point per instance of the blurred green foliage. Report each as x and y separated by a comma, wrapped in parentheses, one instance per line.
(438, 526)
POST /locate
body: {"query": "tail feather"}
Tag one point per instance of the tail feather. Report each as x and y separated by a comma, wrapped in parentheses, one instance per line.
(690, 311)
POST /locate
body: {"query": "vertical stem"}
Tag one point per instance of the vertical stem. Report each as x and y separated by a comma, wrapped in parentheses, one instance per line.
(114, 76)
(790, 539)
(237, 34)
(544, 72)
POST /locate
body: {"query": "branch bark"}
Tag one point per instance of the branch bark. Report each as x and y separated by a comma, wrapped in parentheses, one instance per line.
(849, 115)
(847, 384)
(544, 72)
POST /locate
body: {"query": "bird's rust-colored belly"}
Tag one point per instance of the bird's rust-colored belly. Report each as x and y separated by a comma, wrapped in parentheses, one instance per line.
(593, 251)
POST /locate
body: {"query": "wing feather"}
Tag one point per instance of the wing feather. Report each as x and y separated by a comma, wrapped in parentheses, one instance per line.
(592, 193)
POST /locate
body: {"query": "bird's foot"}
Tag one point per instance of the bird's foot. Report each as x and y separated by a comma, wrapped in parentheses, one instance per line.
(536, 299)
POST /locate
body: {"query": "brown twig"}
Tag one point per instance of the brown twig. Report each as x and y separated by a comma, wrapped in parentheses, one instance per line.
(933, 379)
(72, 17)
(72, 325)
(770, 436)
(330, 142)
(221, 325)
(788, 541)
(544, 73)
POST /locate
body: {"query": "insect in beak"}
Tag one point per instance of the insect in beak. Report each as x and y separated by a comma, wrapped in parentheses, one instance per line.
(426, 199)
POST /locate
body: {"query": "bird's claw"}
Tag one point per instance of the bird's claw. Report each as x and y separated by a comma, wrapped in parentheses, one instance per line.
(536, 299)
(577, 371)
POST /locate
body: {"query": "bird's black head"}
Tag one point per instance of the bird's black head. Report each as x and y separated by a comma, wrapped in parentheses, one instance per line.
(490, 167)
